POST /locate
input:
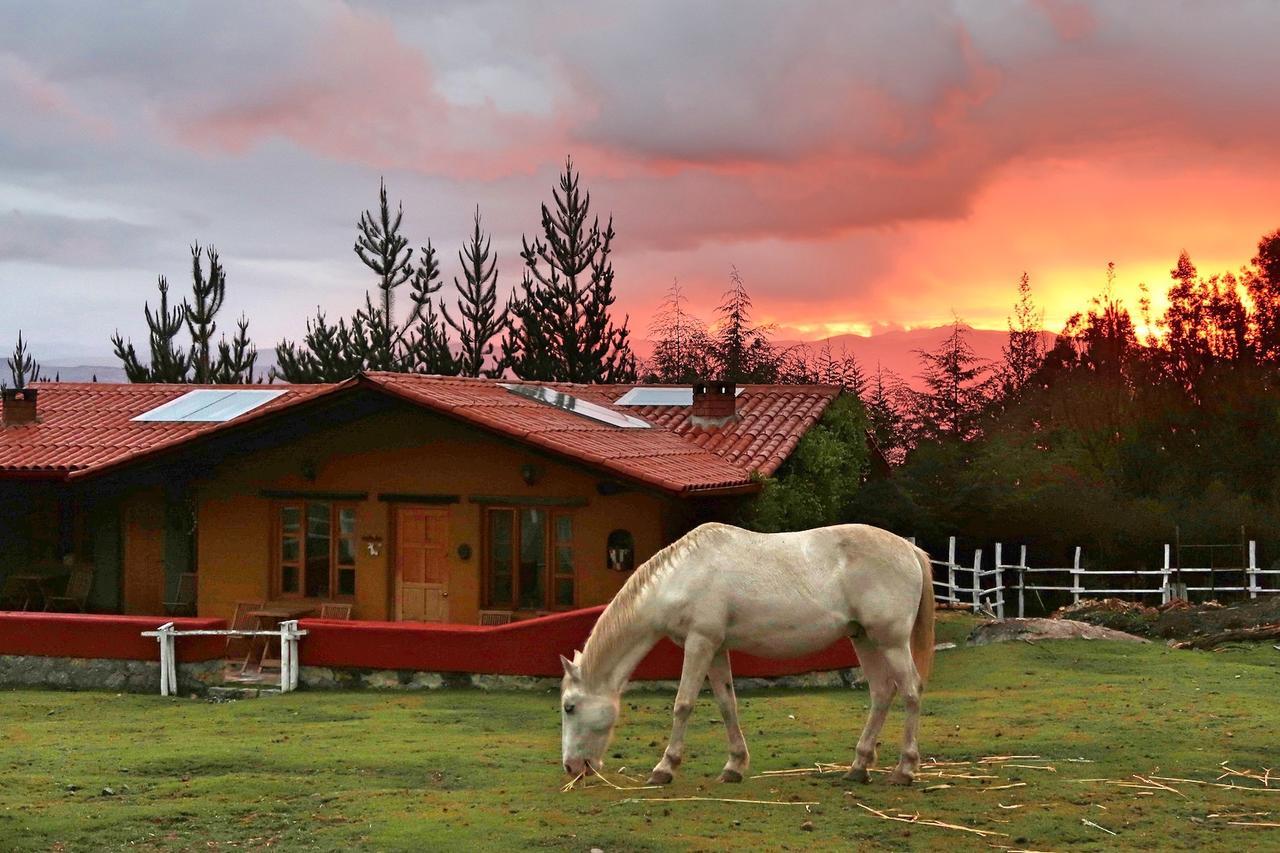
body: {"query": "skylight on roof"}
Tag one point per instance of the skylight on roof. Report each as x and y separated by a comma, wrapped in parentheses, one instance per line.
(658, 396)
(208, 405)
(578, 406)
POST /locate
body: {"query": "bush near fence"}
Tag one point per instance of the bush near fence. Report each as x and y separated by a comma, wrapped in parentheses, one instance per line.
(531, 647)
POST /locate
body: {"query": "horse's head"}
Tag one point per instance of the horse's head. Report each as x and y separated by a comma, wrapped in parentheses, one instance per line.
(587, 717)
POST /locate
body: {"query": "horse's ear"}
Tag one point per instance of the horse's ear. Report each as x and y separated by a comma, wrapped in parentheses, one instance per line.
(570, 668)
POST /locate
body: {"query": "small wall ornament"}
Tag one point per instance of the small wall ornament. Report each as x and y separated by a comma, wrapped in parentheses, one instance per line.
(372, 545)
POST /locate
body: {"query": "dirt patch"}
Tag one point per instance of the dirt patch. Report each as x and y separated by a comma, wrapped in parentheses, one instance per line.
(1177, 620)
(1030, 630)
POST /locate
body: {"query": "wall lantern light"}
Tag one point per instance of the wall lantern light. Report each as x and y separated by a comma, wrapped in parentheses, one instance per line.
(530, 473)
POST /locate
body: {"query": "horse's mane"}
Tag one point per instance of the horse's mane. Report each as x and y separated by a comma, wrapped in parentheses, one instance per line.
(611, 628)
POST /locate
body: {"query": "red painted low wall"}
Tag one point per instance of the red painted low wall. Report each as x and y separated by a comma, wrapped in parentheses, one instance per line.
(89, 635)
(530, 647)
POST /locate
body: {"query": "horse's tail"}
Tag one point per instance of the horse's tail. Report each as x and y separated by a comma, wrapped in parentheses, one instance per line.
(922, 631)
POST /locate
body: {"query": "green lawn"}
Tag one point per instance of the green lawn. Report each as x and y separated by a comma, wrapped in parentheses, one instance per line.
(468, 770)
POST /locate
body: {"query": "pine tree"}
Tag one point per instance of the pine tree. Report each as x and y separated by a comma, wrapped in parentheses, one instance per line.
(204, 362)
(1263, 284)
(479, 321)
(168, 363)
(958, 389)
(23, 368)
(201, 313)
(1025, 351)
(564, 300)
(681, 346)
(743, 352)
(882, 400)
(374, 338)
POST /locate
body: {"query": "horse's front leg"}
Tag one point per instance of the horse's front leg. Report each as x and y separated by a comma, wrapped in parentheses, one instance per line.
(721, 677)
(698, 651)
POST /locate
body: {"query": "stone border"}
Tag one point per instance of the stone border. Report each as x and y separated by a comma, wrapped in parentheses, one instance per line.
(348, 678)
(120, 676)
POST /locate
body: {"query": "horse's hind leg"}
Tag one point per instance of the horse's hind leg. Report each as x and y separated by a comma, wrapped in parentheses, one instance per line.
(903, 670)
(881, 683)
(698, 651)
(721, 677)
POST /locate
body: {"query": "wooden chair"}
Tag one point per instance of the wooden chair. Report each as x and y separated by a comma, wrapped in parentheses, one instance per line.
(495, 617)
(334, 610)
(76, 593)
(184, 603)
(242, 621)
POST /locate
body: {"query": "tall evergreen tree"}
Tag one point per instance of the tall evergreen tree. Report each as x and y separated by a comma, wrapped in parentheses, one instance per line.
(375, 338)
(1263, 284)
(168, 361)
(681, 345)
(563, 303)
(958, 388)
(883, 399)
(1024, 353)
(743, 352)
(23, 368)
(479, 320)
(205, 361)
(208, 294)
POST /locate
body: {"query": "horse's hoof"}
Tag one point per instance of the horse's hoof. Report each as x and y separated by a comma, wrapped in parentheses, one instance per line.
(897, 777)
(858, 774)
(730, 776)
(659, 777)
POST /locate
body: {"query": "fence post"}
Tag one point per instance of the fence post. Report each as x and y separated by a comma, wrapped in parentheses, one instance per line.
(1166, 592)
(999, 582)
(164, 636)
(1022, 574)
(1252, 573)
(951, 571)
(977, 580)
(1076, 577)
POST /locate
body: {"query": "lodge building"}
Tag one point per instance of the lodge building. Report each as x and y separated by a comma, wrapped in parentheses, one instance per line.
(408, 497)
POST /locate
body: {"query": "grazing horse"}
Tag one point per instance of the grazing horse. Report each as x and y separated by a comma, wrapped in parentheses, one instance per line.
(777, 595)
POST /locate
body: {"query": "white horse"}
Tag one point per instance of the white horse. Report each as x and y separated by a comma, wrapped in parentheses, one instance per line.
(778, 595)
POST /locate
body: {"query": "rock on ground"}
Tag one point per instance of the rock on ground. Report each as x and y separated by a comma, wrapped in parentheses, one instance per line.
(1006, 630)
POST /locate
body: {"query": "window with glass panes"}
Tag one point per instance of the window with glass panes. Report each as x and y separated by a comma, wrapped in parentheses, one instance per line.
(316, 556)
(528, 558)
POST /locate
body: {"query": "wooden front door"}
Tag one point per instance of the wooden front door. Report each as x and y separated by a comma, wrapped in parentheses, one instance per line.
(422, 563)
(144, 555)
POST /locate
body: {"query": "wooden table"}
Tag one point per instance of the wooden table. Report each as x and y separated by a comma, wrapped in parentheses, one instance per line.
(266, 619)
(32, 584)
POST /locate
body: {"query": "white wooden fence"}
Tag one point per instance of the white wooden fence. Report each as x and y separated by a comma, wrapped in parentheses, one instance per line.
(287, 634)
(986, 587)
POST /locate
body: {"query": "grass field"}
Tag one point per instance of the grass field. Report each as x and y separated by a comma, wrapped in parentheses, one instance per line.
(465, 770)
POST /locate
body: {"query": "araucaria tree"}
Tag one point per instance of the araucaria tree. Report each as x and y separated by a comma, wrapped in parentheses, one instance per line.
(559, 325)
(375, 339)
(479, 320)
(227, 362)
(23, 368)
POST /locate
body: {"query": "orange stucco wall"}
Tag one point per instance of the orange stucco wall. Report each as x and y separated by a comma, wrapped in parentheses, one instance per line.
(406, 452)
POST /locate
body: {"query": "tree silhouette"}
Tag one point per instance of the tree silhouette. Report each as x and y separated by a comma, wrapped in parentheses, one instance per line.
(479, 320)
(681, 345)
(560, 328)
(23, 368)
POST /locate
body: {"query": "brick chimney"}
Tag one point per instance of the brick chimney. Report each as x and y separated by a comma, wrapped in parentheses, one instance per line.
(19, 406)
(714, 404)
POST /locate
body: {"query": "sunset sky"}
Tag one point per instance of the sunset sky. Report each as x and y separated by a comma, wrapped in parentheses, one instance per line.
(865, 165)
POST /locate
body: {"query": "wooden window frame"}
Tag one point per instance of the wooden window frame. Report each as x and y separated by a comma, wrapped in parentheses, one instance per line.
(551, 572)
(336, 509)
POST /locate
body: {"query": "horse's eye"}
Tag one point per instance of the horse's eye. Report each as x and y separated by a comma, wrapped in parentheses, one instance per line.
(568, 709)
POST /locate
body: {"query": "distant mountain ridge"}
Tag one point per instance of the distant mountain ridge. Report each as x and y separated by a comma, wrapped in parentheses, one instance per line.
(895, 351)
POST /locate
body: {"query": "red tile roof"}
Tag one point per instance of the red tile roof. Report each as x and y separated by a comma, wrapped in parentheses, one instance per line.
(87, 427)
